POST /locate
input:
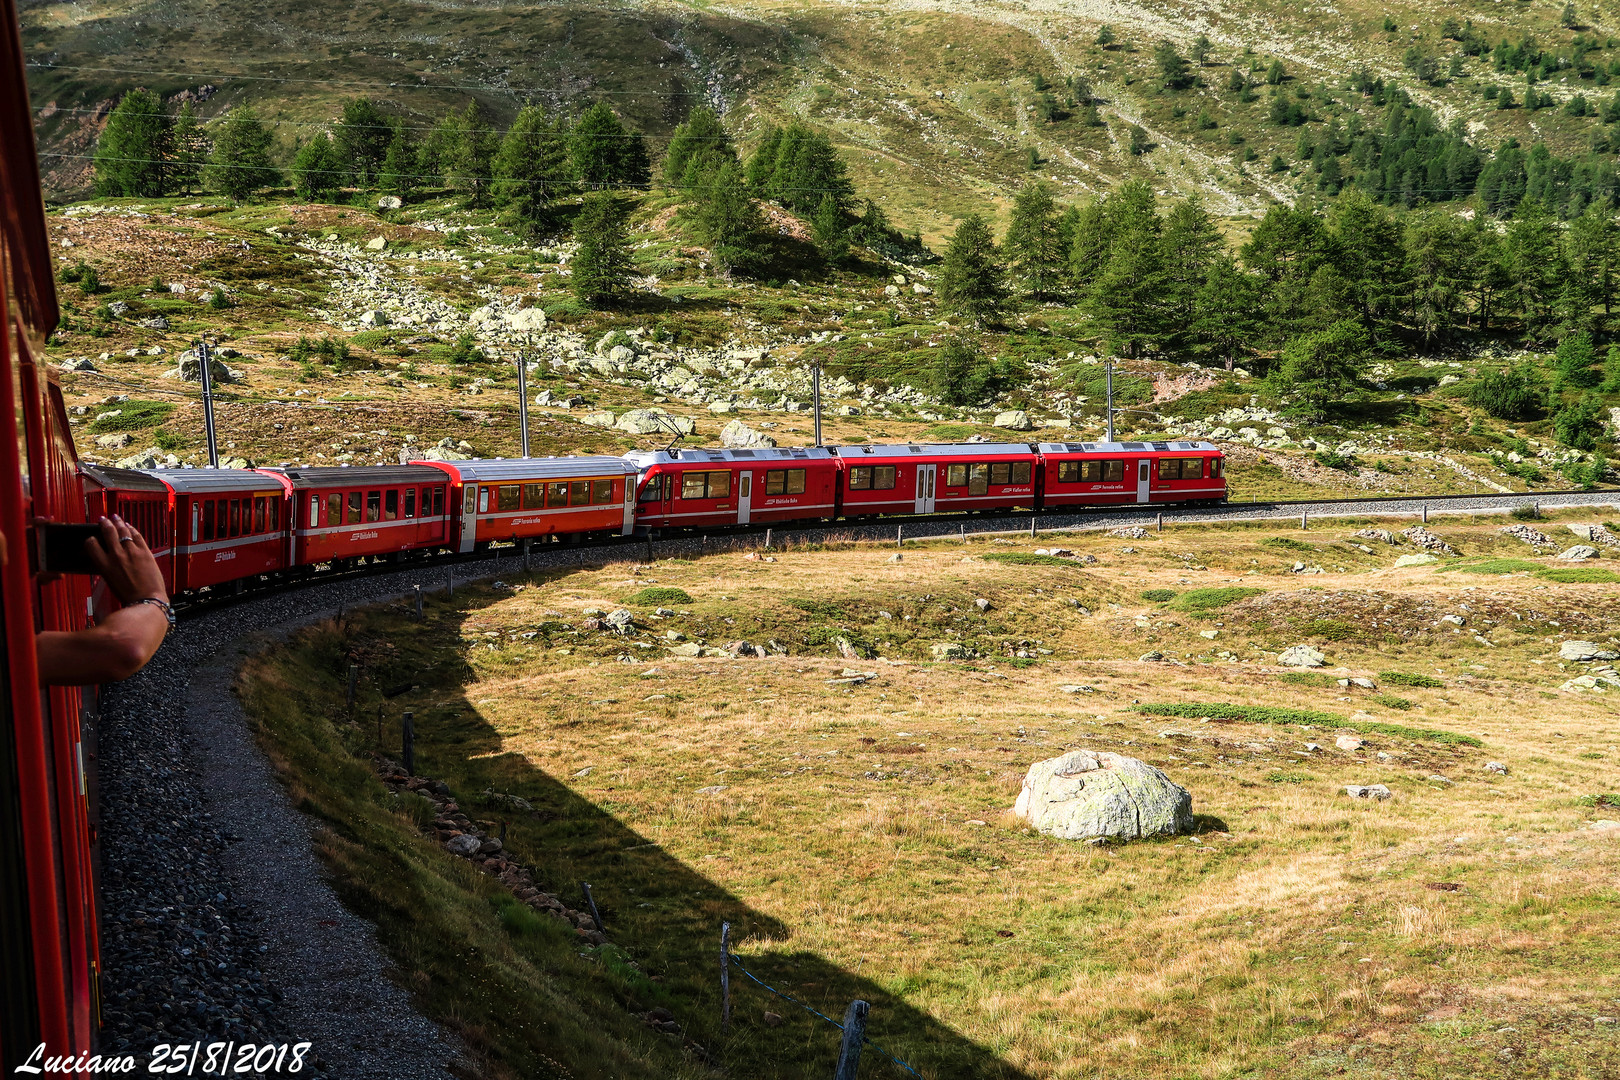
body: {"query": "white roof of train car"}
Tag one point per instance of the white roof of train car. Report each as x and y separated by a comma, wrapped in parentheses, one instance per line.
(767, 454)
(1123, 447)
(495, 470)
(901, 450)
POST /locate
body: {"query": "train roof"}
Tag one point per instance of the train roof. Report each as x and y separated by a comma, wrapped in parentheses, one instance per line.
(362, 476)
(203, 481)
(769, 454)
(533, 469)
(1124, 447)
(113, 478)
(902, 450)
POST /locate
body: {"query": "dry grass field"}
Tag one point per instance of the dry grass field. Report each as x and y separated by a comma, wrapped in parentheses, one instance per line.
(850, 817)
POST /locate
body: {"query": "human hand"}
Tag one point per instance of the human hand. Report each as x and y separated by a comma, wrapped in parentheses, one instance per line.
(123, 560)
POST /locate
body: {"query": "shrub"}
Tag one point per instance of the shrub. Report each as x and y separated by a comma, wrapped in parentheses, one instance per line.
(1287, 542)
(1407, 678)
(1332, 459)
(1580, 575)
(1508, 395)
(1331, 629)
(1578, 425)
(1289, 778)
(1390, 701)
(1267, 714)
(1307, 678)
(825, 609)
(660, 594)
(1025, 558)
(1159, 596)
(1212, 599)
(1525, 512)
(1494, 566)
(134, 416)
(89, 281)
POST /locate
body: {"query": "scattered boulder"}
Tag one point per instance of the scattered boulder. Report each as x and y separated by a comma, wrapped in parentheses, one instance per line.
(1302, 656)
(78, 363)
(950, 650)
(377, 243)
(527, 321)
(620, 622)
(188, 368)
(603, 419)
(1534, 537)
(738, 435)
(374, 318)
(1085, 794)
(1013, 420)
(1415, 560)
(116, 441)
(463, 845)
(1495, 767)
(1578, 553)
(1383, 536)
(982, 604)
(1349, 742)
(1426, 540)
(1584, 652)
(390, 202)
(1367, 791)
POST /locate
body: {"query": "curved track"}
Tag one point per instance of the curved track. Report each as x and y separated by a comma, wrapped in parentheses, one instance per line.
(219, 924)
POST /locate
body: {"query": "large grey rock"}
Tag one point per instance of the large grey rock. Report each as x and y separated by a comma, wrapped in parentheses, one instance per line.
(1578, 553)
(603, 419)
(620, 621)
(1584, 652)
(374, 317)
(739, 435)
(1086, 794)
(389, 202)
(116, 441)
(463, 845)
(528, 321)
(1302, 656)
(1416, 560)
(78, 363)
(189, 369)
(950, 650)
(647, 421)
(1367, 791)
(1013, 420)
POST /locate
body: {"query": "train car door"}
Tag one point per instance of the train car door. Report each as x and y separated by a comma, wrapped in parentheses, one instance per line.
(469, 516)
(745, 487)
(924, 502)
(1144, 472)
(629, 505)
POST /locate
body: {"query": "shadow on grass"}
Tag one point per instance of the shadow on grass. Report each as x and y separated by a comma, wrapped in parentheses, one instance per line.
(526, 994)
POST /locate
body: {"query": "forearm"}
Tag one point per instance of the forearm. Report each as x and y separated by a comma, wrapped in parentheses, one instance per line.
(114, 649)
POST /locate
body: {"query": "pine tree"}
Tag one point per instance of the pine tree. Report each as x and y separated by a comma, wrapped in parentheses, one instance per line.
(401, 165)
(1226, 311)
(1033, 245)
(806, 168)
(970, 277)
(762, 162)
(727, 218)
(191, 148)
(603, 152)
(1535, 264)
(1105, 36)
(1190, 243)
(698, 146)
(827, 224)
(1435, 248)
(1321, 367)
(1127, 300)
(1275, 74)
(1173, 72)
(240, 162)
(601, 270)
(1366, 245)
(1201, 49)
(132, 154)
(468, 153)
(362, 139)
(1572, 363)
(1589, 252)
(1093, 235)
(318, 169)
(531, 167)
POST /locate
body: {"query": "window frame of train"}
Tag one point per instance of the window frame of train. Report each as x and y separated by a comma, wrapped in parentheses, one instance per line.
(786, 481)
(1091, 471)
(980, 477)
(1176, 468)
(871, 477)
(706, 478)
(653, 490)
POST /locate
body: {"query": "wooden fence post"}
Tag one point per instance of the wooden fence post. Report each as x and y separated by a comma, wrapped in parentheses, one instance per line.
(725, 977)
(354, 677)
(591, 900)
(407, 739)
(416, 591)
(849, 1052)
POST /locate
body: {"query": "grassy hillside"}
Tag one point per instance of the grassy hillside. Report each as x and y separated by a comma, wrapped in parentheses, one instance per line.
(938, 106)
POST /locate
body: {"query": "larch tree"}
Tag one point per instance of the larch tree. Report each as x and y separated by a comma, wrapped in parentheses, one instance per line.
(240, 163)
(132, 155)
(971, 277)
(531, 168)
(361, 140)
(1034, 244)
(600, 271)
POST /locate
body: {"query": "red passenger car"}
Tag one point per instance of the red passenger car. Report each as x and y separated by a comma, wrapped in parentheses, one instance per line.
(510, 499)
(351, 514)
(140, 499)
(1092, 474)
(231, 525)
(687, 488)
(981, 476)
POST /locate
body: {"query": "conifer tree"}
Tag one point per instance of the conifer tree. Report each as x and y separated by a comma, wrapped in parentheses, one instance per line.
(727, 218)
(762, 162)
(805, 168)
(401, 166)
(971, 276)
(1088, 251)
(699, 145)
(361, 141)
(531, 167)
(131, 158)
(240, 162)
(1535, 264)
(467, 153)
(1321, 367)
(1033, 244)
(318, 169)
(1127, 300)
(1190, 244)
(601, 270)
(831, 234)
(604, 153)
(1227, 311)
(191, 148)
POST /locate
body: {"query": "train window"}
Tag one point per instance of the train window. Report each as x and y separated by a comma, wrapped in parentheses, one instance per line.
(1216, 467)
(356, 498)
(483, 500)
(391, 505)
(654, 491)
(579, 493)
(694, 485)
(438, 502)
(956, 476)
(557, 494)
(1001, 473)
(273, 513)
(603, 492)
(882, 477)
(1181, 468)
(1068, 472)
(509, 497)
(1105, 472)
(208, 519)
(860, 478)
(978, 479)
(373, 506)
(784, 481)
(260, 510)
(314, 511)
(1020, 472)
(719, 485)
(236, 516)
(334, 509)
(534, 496)
(410, 502)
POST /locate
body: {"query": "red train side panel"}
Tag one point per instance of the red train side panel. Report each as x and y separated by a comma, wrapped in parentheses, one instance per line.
(365, 513)
(229, 525)
(1101, 474)
(506, 499)
(690, 488)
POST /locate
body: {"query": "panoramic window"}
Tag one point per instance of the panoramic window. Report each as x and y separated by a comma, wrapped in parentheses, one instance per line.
(978, 479)
(603, 492)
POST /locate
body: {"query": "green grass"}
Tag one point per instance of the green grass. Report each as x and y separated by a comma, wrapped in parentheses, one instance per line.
(1159, 596)
(1580, 575)
(1331, 629)
(1307, 678)
(1408, 678)
(134, 415)
(1289, 778)
(1026, 558)
(1493, 566)
(658, 594)
(1287, 543)
(1270, 714)
(1195, 600)
(1390, 701)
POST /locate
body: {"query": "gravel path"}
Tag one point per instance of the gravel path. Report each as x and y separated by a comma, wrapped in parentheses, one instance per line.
(217, 922)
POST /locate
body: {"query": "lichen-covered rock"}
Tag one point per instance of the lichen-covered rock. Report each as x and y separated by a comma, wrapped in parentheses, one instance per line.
(1302, 656)
(1086, 794)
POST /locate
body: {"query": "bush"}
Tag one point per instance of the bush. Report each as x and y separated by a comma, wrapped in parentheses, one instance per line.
(134, 416)
(1159, 596)
(1494, 566)
(1332, 459)
(1196, 600)
(1288, 543)
(825, 609)
(1267, 714)
(1390, 701)
(1331, 629)
(963, 375)
(1407, 678)
(1026, 558)
(89, 281)
(1525, 512)
(466, 350)
(1508, 395)
(1581, 575)
(1578, 425)
(660, 595)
